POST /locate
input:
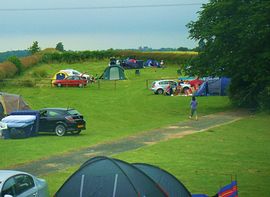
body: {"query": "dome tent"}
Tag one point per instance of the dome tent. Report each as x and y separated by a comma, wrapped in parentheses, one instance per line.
(172, 186)
(10, 103)
(113, 72)
(213, 87)
(102, 176)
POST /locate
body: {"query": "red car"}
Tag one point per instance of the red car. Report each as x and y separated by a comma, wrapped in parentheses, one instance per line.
(71, 81)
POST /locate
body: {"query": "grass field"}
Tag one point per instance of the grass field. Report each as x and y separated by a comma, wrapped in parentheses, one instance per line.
(205, 161)
(114, 110)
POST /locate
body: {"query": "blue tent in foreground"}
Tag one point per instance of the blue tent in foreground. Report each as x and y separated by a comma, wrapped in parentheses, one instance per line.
(214, 87)
(171, 185)
(102, 176)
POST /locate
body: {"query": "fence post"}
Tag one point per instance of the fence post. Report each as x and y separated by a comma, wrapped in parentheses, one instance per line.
(146, 83)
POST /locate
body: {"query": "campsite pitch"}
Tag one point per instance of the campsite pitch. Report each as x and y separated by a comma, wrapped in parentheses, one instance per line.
(178, 130)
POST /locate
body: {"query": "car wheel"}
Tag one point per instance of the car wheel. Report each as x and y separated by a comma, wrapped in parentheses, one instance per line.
(75, 132)
(80, 85)
(59, 85)
(186, 90)
(160, 91)
(60, 130)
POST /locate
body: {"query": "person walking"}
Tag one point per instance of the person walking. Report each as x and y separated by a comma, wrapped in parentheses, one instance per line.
(193, 108)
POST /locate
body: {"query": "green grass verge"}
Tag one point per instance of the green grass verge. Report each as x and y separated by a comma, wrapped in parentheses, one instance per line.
(204, 162)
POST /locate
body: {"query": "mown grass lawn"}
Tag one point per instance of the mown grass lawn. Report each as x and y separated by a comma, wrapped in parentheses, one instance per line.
(111, 110)
(204, 162)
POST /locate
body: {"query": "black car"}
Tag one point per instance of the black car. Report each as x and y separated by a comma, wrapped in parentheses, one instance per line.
(61, 120)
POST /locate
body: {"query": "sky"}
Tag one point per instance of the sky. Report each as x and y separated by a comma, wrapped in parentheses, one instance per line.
(97, 24)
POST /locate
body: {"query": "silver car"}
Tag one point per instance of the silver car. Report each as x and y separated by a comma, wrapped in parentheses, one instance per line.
(21, 184)
(159, 87)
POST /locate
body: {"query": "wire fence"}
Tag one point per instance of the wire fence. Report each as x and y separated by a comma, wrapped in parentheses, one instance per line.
(48, 82)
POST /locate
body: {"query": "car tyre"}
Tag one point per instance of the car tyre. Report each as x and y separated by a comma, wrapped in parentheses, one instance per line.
(80, 85)
(77, 132)
(159, 91)
(59, 85)
(60, 130)
(186, 90)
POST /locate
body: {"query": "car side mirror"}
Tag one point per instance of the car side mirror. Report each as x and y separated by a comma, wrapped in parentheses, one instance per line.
(7, 195)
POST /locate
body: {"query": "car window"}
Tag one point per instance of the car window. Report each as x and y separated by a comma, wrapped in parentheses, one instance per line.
(76, 73)
(23, 183)
(53, 114)
(69, 77)
(73, 112)
(76, 78)
(163, 82)
(8, 187)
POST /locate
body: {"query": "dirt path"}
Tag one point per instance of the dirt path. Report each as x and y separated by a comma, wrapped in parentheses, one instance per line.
(178, 130)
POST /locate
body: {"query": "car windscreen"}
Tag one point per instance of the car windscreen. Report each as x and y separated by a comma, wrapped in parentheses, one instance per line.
(73, 112)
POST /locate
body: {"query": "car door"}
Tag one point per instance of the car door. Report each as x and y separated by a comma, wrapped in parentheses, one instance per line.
(43, 120)
(69, 81)
(21, 185)
(25, 186)
(48, 120)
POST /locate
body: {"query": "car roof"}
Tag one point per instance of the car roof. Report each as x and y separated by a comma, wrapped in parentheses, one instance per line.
(5, 174)
(165, 80)
(59, 109)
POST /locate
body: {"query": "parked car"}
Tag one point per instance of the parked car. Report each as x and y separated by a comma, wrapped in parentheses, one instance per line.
(61, 121)
(71, 81)
(72, 72)
(21, 184)
(159, 87)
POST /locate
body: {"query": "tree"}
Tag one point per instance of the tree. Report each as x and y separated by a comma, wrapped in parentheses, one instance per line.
(234, 42)
(34, 48)
(60, 47)
(17, 62)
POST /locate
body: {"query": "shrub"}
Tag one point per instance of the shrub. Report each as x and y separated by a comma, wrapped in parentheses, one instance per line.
(16, 61)
(7, 69)
(30, 60)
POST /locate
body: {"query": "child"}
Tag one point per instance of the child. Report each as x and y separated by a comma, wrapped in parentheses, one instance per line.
(193, 108)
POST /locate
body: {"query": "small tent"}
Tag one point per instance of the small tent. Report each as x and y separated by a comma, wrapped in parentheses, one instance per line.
(171, 185)
(113, 72)
(151, 62)
(59, 75)
(10, 103)
(214, 86)
(102, 176)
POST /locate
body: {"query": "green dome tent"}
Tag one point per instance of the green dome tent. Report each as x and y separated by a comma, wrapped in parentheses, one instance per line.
(102, 176)
(113, 72)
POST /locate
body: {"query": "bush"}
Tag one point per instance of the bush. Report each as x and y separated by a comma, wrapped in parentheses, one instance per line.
(16, 61)
(7, 69)
(264, 98)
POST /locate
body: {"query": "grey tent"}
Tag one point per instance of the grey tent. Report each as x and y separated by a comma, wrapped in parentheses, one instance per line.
(10, 103)
(171, 185)
(103, 177)
(113, 72)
